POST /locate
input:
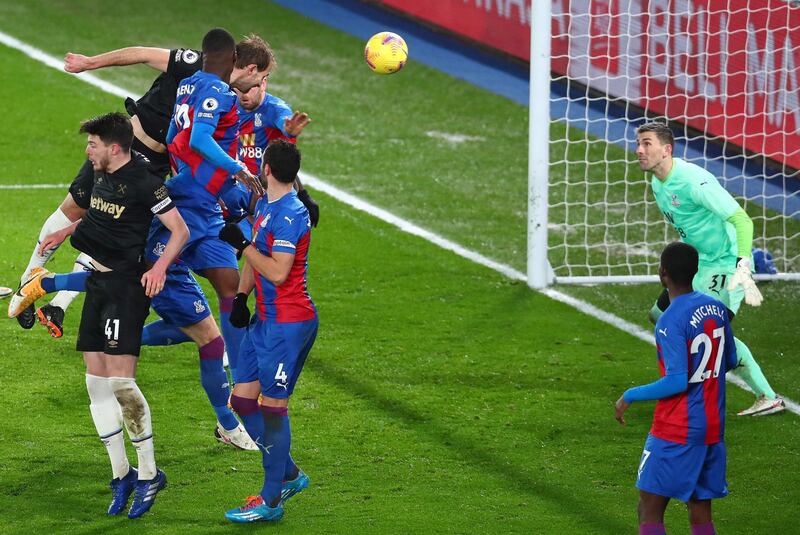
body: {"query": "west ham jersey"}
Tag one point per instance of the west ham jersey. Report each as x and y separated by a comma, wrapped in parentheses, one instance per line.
(694, 337)
(202, 98)
(155, 107)
(283, 226)
(260, 126)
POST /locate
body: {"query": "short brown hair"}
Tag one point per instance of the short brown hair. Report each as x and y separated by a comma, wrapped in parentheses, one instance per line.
(661, 130)
(253, 50)
(110, 128)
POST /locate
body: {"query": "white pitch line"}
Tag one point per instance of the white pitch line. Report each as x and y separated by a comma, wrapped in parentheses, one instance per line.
(34, 186)
(380, 213)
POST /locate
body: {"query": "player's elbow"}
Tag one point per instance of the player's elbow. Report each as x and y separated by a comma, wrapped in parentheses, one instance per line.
(277, 280)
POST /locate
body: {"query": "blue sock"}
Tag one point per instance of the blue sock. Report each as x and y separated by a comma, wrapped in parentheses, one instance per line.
(215, 382)
(277, 440)
(291, 471)
(74, 282)
(161, 333)
(233, 336)
(253, 422)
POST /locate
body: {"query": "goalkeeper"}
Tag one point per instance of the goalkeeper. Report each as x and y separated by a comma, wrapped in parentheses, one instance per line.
(707, 217)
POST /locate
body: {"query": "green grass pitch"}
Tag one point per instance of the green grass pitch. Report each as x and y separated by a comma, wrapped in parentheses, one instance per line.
(440, 397)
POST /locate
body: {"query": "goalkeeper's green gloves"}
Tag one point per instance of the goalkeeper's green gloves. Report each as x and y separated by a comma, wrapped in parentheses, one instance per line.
(743, 278)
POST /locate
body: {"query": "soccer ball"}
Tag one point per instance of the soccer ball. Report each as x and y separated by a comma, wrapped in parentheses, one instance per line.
(386, 53)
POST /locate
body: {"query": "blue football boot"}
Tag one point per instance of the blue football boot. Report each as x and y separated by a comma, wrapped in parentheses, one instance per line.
(255, 510)
(121, 490)
(295, 486)
(145, 494)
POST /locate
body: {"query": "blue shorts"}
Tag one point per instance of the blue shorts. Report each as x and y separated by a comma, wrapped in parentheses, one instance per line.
(683, 471)
(274, 354)
(204, 250)
(182, 302)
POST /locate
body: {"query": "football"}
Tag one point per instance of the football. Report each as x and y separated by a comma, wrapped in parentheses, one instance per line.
(386, 53)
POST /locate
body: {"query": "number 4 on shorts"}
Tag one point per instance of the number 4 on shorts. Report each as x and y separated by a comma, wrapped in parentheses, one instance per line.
(280, 375)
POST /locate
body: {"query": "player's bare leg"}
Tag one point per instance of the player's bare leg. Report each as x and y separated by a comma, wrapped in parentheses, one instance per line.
(700, 517)
(651, 513)
(206, 335)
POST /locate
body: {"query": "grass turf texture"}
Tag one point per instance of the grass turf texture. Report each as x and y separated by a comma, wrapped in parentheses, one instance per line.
(439, 397)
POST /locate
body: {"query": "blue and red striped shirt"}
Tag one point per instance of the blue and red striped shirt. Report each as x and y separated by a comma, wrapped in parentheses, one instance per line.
(694, 337)
(283, 226)
(260, 126)
(203, 98)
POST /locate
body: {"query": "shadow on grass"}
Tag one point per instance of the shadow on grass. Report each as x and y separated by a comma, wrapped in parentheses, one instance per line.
(561, 500)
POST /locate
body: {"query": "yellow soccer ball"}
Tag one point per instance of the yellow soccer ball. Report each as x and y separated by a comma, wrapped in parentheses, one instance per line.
(386, 53)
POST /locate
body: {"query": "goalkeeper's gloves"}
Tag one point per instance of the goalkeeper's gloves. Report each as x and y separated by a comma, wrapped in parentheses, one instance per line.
(743, 278)
(233, 235)
(311, 206)
(240, 314)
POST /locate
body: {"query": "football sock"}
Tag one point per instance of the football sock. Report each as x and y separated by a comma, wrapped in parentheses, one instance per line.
(107, 418)
(136, 415)
(277, 441)
(161, 333)
(55, 222)
(215, 382)
(291, 471)
(64, 298)
(233, 336)
(74, 282)
(248, 411)
(750, 372)
(704, 529)
(652, 529)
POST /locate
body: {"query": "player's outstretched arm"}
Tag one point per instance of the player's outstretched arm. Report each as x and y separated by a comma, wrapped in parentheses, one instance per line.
(157, 58)
(744, 243)
(153, 280)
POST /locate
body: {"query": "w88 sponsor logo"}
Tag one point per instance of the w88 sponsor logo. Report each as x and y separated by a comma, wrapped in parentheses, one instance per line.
(250, 152)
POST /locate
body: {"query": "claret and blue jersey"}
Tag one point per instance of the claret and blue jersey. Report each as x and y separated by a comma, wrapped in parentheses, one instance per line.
(203, 98)
(257, 128)
(694, 338)
(283, 226)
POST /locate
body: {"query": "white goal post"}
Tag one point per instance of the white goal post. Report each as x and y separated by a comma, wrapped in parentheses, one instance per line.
(725, 74)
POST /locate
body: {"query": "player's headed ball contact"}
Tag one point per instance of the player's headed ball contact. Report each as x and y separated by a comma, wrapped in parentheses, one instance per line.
(386, 53)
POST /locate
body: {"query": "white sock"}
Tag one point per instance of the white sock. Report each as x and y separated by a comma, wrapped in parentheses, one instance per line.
(107, 418)
(136, 415)
(65, 297)
(56, 221)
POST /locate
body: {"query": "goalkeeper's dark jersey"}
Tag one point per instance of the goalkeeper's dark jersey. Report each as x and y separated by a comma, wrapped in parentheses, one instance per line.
(154, 109)
(121, 207)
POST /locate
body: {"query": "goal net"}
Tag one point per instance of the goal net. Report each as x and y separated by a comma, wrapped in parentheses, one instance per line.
(725, 74)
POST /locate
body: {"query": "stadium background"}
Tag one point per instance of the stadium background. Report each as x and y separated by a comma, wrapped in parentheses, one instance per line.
(441, 396)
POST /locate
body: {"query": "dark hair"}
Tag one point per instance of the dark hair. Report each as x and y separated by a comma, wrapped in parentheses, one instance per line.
(283, 159)
(661, 130)
(253, 50)
(110, 128)
(680, 261)
(218, 41)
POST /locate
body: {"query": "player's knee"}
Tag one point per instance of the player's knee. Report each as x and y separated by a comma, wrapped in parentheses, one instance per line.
(244, 406)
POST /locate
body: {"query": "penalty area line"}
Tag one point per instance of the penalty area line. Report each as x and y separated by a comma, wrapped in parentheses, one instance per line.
(384, 215)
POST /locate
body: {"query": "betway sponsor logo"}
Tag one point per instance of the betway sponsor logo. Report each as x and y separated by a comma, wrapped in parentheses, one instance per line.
(108, 207)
